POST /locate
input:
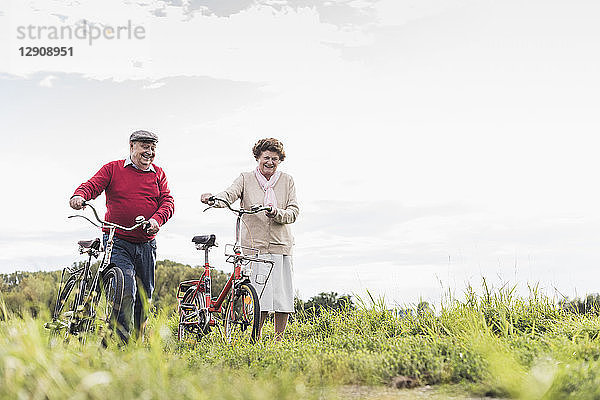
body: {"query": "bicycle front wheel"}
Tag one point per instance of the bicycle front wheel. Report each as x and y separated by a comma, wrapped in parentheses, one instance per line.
(242, 318)
(108, 302)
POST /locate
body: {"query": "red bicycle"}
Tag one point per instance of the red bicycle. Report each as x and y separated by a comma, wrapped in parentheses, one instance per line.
(237, 306)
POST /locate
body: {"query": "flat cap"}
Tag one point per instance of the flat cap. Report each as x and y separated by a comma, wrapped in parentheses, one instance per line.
(143, 136)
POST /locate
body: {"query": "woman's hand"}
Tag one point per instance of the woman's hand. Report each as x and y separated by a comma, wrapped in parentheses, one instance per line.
(205, 198)
(271, 213)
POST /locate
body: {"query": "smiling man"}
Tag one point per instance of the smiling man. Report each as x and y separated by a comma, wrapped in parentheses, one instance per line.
(133, 186)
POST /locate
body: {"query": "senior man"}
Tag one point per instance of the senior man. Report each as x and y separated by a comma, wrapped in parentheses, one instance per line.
(133, 186)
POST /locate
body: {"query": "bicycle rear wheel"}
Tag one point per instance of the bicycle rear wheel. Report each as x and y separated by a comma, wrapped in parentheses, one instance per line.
(108, 303)
(242, 316)
(193, 316)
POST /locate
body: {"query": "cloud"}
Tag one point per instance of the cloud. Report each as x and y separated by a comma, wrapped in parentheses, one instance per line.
(42, 250)
(218, 8)
(196, 98)
(155, 85)
(61, 17)
(47, 81)
(398, 13)
(343, 13)
(366, 218)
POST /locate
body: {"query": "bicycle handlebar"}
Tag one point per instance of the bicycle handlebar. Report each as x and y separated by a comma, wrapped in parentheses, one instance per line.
(139, 221)
(253, 210)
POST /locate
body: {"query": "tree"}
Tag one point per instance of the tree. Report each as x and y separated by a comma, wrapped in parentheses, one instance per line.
(168, 276)
(35, 292)
(588, 305)
(29, 292)
(423, 308)
(329, 301)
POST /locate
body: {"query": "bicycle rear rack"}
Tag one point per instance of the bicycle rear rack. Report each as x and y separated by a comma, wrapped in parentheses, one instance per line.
(184, 287)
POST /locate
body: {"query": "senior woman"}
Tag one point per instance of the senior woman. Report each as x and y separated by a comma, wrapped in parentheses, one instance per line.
(269, 232)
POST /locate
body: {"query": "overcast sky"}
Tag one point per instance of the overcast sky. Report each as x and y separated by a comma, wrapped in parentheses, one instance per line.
(433, 142)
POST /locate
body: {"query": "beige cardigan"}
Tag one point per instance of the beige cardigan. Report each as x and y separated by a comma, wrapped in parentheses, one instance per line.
(269, 235)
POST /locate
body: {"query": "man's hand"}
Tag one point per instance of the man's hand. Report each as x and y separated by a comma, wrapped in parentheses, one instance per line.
(205, 198)
(153, 228)
(272, 213)
(76, 202)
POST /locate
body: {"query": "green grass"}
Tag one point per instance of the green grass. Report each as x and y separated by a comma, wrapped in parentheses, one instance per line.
(496, 343)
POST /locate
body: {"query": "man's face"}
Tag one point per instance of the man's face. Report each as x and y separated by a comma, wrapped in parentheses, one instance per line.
(142, 154)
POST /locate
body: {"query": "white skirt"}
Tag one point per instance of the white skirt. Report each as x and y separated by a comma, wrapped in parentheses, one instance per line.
(275, 289)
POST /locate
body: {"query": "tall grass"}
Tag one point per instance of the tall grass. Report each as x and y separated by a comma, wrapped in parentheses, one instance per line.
(31, 369)
(494, 343)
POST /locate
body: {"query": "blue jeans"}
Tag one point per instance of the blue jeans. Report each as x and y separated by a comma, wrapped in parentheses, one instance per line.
(136, 260)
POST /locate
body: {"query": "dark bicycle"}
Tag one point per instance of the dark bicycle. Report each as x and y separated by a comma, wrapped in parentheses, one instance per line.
(89, 301)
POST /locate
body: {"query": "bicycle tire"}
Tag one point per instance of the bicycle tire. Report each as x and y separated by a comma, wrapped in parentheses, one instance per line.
(63, 297)
(63, 316)
(193, 322)
(107, 303)
(244, 314)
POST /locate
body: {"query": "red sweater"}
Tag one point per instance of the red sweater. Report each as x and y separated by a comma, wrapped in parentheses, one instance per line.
(130, 192)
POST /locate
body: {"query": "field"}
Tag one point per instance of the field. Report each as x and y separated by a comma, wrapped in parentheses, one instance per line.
(494, 344)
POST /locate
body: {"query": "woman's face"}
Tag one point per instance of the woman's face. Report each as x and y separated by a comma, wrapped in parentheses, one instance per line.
(268, 162)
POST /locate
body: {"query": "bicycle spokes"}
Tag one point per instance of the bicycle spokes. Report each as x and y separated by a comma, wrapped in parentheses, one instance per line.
(193, 316)
(243, 314)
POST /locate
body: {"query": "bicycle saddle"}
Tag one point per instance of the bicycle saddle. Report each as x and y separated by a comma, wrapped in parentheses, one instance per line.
(90, 244)
(207, 240)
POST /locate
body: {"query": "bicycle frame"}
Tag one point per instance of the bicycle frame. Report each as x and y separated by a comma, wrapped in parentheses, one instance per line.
(96, 281)
(204, 285)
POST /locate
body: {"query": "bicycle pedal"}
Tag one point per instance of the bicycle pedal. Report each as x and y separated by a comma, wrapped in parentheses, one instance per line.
(188, 307)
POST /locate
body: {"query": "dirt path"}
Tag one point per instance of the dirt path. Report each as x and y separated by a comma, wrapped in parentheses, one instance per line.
(354, 392)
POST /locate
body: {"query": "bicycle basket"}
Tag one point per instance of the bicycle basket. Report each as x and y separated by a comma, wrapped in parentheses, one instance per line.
(244, 254)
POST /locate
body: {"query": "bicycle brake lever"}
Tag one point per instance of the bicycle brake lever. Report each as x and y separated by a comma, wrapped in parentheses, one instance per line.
(86, 218)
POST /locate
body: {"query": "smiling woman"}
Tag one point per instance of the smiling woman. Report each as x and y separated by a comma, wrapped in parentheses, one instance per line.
(271, 232)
